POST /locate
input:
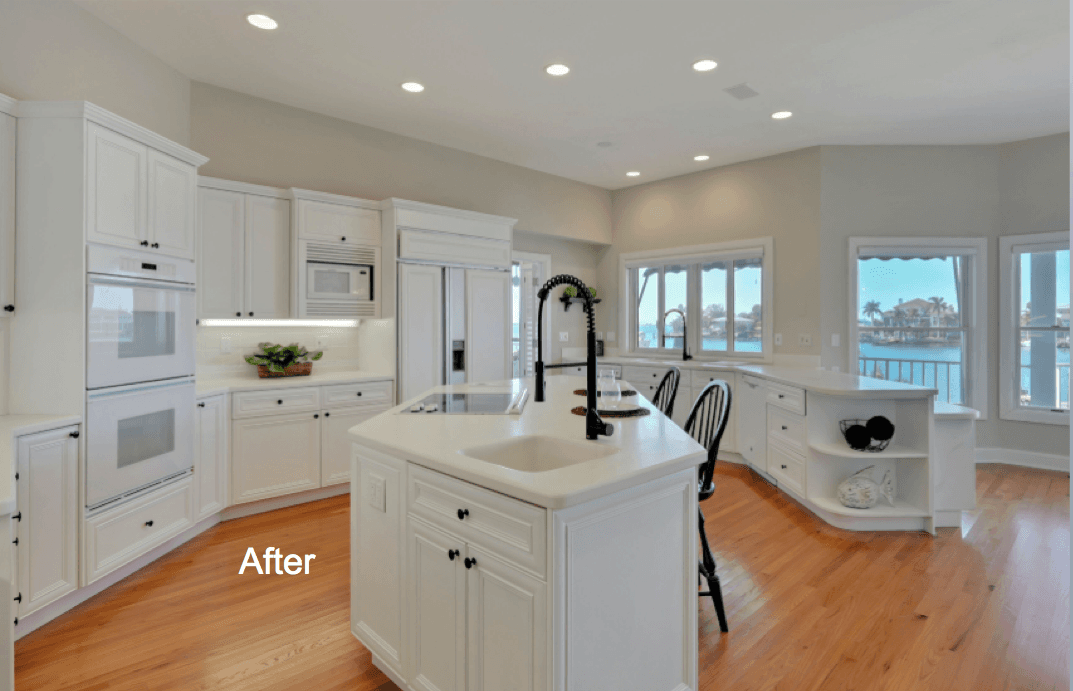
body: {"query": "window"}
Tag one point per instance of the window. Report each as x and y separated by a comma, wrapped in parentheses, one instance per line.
(1034, 384)
(710, 298)
(528, 272)
(917, 315)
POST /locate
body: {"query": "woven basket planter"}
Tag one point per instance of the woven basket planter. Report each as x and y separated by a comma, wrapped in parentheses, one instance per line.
(301, 369)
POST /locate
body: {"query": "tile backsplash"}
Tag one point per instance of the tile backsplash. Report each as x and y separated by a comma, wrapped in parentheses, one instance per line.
(339, 343)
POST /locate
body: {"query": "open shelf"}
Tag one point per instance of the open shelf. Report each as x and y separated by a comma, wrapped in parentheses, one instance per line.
(574, 301)
(901, 509)
(843, 451)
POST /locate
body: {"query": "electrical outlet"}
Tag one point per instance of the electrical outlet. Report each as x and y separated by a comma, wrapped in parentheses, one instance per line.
(778, 339)
(835, 340)
(804, 339)
(378, 493)
(322, 341)
(611, 336)
(564, 337)
(225, 344)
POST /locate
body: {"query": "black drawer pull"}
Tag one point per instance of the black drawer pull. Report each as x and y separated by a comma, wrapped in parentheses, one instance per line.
(280, 401)
(9, 308)
(783, 467)
(149, 524)
(359, 393)
(144, 243)
(156, 245)
(238, 314)
(452, 553)
(15, 541)
(470, 562)
(17, 598)
(327, 414)
(344, 238)
(73, 435)
(200, 405)
(251, 314)
(781, 396)
(18, 516)
(316, 416)
(784, 428)
(462, 513)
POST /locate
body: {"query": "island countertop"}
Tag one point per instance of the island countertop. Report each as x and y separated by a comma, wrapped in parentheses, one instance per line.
(648, 447)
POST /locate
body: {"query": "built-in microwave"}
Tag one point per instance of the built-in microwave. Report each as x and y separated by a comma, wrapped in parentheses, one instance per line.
(345, 282)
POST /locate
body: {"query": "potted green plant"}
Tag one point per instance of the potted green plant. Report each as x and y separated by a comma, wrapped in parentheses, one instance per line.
(276, 360)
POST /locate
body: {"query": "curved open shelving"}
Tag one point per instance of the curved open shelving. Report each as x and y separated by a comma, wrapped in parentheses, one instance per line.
(901, 509)
(844, 451)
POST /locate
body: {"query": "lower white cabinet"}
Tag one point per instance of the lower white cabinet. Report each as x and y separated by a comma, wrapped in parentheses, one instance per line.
(47, 519)
(210, 460)
(274, 455)
(437, 607)
(752, 423)
(335, 442)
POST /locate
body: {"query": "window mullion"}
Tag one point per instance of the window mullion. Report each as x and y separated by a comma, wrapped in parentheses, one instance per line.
(732, 325)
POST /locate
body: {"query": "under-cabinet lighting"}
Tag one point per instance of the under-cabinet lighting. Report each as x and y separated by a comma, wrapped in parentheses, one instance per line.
(279, 322)
(262, 21)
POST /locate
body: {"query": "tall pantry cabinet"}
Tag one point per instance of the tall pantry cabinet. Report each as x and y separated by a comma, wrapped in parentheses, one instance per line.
(7, 209)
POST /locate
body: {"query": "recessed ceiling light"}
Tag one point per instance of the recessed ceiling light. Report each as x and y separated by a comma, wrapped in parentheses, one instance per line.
(557, 70)
(262, 21)
(633, 173)
(702, 157)
(705, 65)
(413, 87)
(781, 115)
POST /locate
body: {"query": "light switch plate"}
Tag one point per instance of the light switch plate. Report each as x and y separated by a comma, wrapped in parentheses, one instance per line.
(225, 344)
(564, 336)
(778, 339)
(378, 493)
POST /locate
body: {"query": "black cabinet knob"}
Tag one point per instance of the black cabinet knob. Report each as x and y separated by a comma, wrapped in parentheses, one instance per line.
(200, 405)
(155, 245)
(17, 598)
(344, 238)
(238, 314)
(327, 414)
(148, 524)
(359, 393)
(17, 516)
(251, 314)
(316, 415)
(452, 553)
(15, 541)
(470, 562)
(784, 428)
(783, 467)
(144, 243)
(73, 435)
(462, 513)
(279, 402)
(9, 308)
(781, 396)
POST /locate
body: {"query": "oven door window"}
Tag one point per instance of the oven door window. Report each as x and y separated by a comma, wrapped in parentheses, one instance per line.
(143, 437)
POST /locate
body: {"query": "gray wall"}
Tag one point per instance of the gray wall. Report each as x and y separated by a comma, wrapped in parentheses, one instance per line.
(258, 141)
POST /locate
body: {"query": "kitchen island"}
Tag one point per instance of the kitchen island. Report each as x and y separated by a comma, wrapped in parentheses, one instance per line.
(504, 551)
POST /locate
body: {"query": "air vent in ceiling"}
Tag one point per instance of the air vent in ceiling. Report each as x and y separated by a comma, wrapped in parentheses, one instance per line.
(742, 91)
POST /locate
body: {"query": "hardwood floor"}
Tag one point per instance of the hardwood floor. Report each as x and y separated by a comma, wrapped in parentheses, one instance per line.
(982, 607)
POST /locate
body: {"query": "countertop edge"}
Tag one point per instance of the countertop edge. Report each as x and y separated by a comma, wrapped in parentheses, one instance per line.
(216, 386)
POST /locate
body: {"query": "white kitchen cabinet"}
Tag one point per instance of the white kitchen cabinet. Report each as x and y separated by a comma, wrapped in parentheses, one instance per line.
(7, 215)
(47, 529)
(172, 205)
(335, 442)
(274, 455)
(488, 310)
(752, 421)
(420, 329)
(210, 460)
(346, 220)
(268, 258)
(437, 609)
(243, 251)
(221, 261)
(116, 188)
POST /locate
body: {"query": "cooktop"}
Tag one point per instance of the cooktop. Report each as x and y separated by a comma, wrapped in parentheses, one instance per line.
(471, 403)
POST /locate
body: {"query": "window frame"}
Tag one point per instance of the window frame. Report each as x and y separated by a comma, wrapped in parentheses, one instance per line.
(544, 261)
(1010, 407)
(697, 255)
(975, 376)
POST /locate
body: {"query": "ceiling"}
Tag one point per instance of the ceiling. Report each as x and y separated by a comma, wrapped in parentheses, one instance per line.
(852, 72)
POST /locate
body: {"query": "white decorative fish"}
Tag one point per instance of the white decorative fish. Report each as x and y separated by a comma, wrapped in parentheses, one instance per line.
(860, 491)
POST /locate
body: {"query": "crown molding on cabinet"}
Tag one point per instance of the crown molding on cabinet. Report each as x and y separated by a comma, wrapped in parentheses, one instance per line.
(243, 187)
(340, 199)
(9, 105)
(394, 203)
(104, 118)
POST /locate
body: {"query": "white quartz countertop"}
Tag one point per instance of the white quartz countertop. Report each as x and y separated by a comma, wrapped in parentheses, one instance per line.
(649, 447)
(11, 428)
(950, 411)
(211, 386)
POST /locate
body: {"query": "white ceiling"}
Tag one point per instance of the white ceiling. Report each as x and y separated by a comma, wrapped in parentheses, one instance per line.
(853, 72)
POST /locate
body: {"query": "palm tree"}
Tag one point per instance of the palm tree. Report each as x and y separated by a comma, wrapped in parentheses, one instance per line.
(899, 319)
(871, 309)
(938, 306)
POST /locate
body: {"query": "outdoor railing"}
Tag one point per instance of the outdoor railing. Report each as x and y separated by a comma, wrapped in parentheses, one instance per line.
(911, 371)
(1061, 375)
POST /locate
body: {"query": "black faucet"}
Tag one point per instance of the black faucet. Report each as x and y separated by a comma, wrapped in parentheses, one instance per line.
(594, 426)
(686, 357)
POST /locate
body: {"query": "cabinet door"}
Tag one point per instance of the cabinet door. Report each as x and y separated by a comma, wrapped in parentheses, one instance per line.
(221, 255)
(116, 194)
(268, 257)
(273, 456)
(488, 323)
(437, 586)
(326, 221)
(47, 495)
(210, 461)
(507, 627)
(420, 329)
(683, 401)
(172, 205)
(7, 214)
(335, 443)
(752, 422)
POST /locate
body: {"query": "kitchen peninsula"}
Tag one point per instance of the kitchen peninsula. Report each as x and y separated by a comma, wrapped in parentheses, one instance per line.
(504, 551)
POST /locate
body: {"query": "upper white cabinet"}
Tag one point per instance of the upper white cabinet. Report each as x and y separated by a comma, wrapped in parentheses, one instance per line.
(321, 216)
(47, 528)
(7, 213)
(137, 196)
(244, 251)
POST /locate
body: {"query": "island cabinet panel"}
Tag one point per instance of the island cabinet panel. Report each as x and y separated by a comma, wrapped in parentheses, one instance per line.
(637, 548)
(437, 586)
(274, 455)
(378, 554)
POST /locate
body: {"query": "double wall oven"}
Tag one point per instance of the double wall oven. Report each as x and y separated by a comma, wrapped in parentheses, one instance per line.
(141, 323)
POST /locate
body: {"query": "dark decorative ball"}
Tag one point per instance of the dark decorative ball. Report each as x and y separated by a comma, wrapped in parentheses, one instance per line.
(880, 428)
(857, 437)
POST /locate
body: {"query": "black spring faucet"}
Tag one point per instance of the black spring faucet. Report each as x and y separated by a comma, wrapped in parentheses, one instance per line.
(594, 426)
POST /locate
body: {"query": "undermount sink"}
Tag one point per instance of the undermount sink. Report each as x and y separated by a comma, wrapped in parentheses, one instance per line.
(536, 454)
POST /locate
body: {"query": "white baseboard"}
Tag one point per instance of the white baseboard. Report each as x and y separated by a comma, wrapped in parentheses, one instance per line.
(256, 507)
(50, 611)
(1027, 459)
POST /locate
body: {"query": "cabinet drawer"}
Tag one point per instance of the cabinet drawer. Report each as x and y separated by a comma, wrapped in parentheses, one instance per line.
(119, 535)
(512, 529)
(640, 376)
(702, 379)
(786, 428)
(789, 397)
(373, 393)
(786, 467)
(258, 403)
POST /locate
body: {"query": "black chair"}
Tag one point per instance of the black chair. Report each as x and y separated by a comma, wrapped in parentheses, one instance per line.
(706, 422)
(667, 391)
